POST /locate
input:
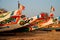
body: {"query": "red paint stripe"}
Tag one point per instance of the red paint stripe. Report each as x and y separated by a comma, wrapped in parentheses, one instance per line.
(17, 19)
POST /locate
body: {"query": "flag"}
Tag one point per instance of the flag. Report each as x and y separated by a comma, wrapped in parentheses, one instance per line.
(52, 8)
(19, 11)
(20, 6)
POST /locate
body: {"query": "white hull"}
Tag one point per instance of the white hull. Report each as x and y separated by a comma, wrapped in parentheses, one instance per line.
(6, 17)
(16, 26)
(11, 27)
(8, 28)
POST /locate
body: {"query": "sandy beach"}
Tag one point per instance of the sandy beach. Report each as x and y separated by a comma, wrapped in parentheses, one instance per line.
(33, 35)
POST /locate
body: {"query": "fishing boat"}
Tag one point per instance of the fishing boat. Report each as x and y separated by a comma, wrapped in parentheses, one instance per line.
(11, 20)
(15, 19)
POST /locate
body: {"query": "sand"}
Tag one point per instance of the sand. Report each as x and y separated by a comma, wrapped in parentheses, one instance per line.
(34, 35)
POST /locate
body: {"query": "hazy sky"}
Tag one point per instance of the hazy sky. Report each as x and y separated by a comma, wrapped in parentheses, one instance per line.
(32, 7)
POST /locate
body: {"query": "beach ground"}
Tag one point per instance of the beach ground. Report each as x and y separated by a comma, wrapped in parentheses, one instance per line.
(33, 35)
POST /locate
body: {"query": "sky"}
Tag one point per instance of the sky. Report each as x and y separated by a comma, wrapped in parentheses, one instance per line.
(32, 7)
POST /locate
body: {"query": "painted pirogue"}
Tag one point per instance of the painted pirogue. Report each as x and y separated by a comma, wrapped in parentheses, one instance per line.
(10, 20)
(15, 19)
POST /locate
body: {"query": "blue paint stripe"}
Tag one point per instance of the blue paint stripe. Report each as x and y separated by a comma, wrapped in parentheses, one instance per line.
(37, 16)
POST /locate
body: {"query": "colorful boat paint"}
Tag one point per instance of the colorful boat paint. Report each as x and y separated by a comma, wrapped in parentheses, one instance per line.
(14, 20)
